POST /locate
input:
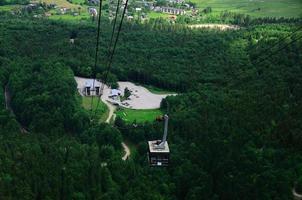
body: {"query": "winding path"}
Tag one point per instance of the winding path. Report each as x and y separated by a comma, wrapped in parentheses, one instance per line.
(296, 195)
(111, 110)
(127, 151)
(8, 107)
(7, 100)
(112, 115)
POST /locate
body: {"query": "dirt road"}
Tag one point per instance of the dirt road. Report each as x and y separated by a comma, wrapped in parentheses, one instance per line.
(112, 115)
(7, 99)
(127, 151)
(111, 110)
(221, 27)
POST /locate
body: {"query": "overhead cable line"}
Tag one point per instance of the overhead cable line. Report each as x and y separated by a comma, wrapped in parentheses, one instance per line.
(279, 41)
(272, 53)
(111, 54)
(280, 49)
(96, 49)
(276, 51)
(114, 23)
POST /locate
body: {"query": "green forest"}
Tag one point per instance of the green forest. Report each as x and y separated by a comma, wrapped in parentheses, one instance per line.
(235, 129)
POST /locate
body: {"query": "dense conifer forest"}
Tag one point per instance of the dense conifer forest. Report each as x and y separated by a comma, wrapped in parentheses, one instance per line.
(235, 129)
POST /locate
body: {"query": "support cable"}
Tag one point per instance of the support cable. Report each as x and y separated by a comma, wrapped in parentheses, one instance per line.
(96, 50)
(111, 54)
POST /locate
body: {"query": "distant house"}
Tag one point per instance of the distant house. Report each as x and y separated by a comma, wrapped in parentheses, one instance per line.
(53, 5)
(176, 1)
(91, 88)
(114, 93)
(149, 4)
(71, 40)
(157, 9)
(93, 11)
(47, 14)
(64, 10)
(173, 11)
(130, 18)
(30, 7)
(95, 2)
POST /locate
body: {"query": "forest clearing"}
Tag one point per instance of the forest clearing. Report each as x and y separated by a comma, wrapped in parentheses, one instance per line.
(141, 106)
(215, 26)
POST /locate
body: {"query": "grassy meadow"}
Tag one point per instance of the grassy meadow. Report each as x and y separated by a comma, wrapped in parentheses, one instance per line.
(102, 110)
(153, 14)
(140, 116)
(60, 3)
(255, 8)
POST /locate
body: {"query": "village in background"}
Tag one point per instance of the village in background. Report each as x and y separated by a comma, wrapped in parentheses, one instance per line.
(170, 10)
(144, 11)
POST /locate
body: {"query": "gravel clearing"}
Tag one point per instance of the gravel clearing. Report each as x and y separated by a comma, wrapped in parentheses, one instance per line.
(141, 98)
(222, 27)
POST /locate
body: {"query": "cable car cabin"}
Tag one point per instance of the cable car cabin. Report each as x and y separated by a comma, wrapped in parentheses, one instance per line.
(158, 155)
(159, 151)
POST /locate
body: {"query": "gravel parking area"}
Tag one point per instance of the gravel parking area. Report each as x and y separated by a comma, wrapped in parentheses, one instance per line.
(141, 98)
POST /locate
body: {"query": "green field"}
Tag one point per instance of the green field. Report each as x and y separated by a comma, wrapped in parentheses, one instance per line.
(8, 7)
(140, 116)
(60, 3)
(102, 110)
(153, 14)
(68, 17)
(268, 8)
(74, 6)
(78, 1)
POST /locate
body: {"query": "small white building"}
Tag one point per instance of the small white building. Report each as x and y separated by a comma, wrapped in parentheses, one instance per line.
(176, 1)
(115, 93)
(96, 2)
(130, 18)
(64, 10)
(91, 88)
(93, 11)
(157, 9)
(173, 11)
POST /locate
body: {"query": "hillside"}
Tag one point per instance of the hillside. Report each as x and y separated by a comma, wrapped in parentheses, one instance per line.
(234, 130)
